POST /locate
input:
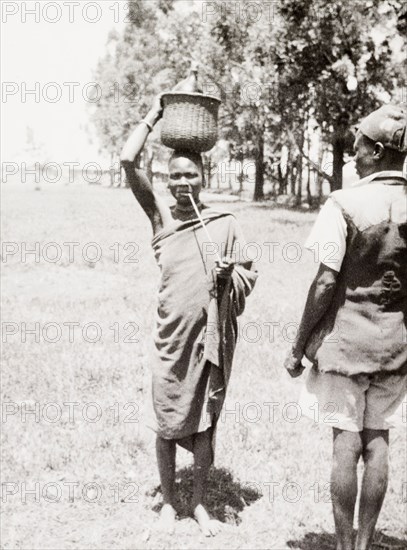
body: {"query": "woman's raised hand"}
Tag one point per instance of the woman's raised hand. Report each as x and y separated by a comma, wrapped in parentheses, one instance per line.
(157, 107)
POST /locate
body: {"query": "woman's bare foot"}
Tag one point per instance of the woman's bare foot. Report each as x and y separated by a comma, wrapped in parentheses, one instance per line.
(166, 522)
(209, 527)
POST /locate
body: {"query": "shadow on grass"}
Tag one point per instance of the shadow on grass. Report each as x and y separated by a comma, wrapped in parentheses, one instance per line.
(225, 498)
(325, 541)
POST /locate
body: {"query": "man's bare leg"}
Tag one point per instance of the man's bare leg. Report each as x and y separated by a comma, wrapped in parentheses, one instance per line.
(166, 451)
(347, 448)
(374, 484)
(202, 462)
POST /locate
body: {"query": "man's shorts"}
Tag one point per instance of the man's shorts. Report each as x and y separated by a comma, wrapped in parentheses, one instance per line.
(375, 402)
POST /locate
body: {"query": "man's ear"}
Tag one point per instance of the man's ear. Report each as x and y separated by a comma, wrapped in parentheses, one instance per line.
(378, 151)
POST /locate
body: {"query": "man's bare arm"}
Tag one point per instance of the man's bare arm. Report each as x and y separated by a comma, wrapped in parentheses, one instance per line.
(157, 212)
(319, 299)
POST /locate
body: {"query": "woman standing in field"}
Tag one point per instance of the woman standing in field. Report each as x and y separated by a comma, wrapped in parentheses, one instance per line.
(199, 300)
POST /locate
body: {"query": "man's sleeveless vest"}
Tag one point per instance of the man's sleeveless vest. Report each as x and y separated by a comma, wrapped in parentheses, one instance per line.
(364, 330)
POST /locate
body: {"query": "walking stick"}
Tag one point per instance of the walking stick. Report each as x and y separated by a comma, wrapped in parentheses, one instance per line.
(191, 198)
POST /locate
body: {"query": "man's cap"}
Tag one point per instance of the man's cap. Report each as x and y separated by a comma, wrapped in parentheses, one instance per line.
(387, 125)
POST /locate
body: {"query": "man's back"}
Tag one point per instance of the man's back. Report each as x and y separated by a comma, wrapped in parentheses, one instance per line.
(364, 330)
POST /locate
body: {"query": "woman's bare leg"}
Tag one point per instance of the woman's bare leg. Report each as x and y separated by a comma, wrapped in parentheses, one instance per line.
(166, 452)
(203, 458)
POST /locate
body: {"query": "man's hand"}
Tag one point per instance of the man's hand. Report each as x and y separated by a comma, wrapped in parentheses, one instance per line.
(293, 364)
(224, 269)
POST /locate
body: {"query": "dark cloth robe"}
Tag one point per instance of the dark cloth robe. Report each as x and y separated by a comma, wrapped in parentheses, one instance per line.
(196, 323)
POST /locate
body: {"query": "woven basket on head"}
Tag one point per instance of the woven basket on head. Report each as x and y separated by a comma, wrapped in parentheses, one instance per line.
(189, 121)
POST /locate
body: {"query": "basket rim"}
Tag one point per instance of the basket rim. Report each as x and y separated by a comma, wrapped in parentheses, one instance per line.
(194, 94)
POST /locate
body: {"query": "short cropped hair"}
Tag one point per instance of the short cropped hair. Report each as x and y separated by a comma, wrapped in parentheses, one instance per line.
(191, 155)
(397, 157)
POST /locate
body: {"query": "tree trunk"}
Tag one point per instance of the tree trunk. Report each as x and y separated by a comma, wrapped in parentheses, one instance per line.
(287, 172)
(111, 170)
(228, 173)
(319, 178)
(280, 180)
(309, 196)
(259, 179)
(283, 178)
(293, 174)
(338, 149)
(299, 169)
(240, 177)
(209, 170)
(299, 180)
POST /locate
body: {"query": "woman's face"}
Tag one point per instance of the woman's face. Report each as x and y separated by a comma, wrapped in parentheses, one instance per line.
(185, 176)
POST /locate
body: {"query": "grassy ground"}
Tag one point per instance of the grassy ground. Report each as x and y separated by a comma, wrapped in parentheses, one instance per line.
(102, 473)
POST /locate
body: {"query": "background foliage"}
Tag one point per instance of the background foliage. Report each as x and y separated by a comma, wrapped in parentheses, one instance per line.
(295, 78)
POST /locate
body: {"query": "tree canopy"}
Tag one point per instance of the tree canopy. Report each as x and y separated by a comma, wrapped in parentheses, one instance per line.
(304, 64)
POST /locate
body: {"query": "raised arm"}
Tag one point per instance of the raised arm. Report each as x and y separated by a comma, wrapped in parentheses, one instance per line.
(157, 211)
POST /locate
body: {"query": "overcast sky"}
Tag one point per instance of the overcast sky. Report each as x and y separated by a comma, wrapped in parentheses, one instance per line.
(37, 50)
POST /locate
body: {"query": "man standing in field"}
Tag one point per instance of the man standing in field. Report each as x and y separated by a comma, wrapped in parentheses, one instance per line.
(353, 328)
(199, 301)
